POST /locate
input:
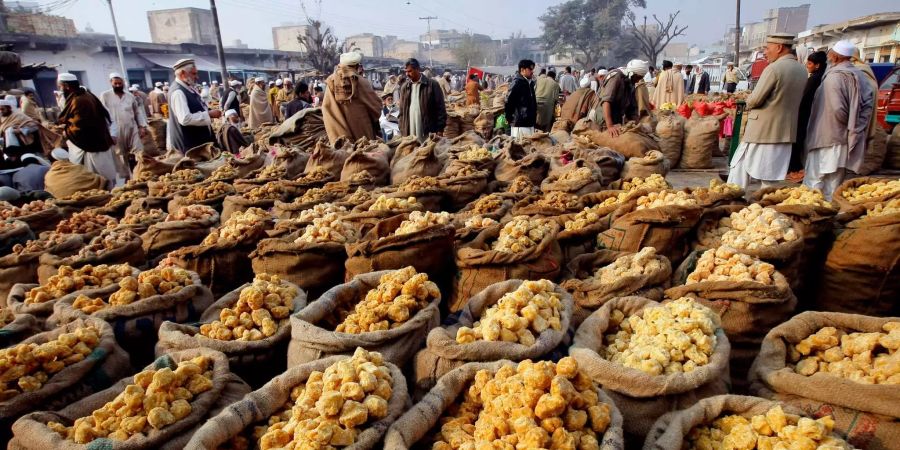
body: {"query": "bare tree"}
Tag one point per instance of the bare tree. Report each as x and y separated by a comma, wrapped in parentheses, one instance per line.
(468, 52)
(322, 48)
(653, 42)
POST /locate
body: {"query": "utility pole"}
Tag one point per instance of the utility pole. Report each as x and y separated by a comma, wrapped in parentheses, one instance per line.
(118, 44)
(429, 19)
(737, 34)
(219, 49)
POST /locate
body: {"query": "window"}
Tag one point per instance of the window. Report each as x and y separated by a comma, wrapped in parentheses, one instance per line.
(136, 76)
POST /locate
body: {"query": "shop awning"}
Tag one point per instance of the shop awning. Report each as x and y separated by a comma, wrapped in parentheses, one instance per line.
(167, 60)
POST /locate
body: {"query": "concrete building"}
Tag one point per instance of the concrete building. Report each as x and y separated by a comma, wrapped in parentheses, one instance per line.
(450, 38)
(786, 19)
(367, 43)
(876, 35)
(181, 26)
(402, 49)
(285, 37)
(677, 52)
(26, 18)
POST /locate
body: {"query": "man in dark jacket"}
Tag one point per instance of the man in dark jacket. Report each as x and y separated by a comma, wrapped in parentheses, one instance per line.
(521, 103)
(699, 82)
(422, 108)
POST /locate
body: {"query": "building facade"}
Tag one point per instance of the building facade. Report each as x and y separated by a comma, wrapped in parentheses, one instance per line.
(285, 37)
(181, 26)
(786, 19)
(877, 36)
(367, 43)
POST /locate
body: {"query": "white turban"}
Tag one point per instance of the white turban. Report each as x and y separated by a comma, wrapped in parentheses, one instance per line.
(637, 67)
(279, 82)
(230, 113)
(10, 103)
(288, 80)
(234, 82)
(351, 58)
(844, 48)
(158, 84)
(60, 154)
(115, 75)
(65, 76)
(585, 82)
(602, 72)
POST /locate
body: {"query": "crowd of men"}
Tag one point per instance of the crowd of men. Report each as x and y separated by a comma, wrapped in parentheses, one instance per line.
(814, 122)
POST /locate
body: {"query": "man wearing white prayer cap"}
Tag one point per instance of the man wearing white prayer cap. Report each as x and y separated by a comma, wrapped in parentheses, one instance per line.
(190, 119)
(129, 119)
(216, 92)
(272, 95)
(229, 135)
(204, 93)
(157, 99)
(260, 110)
(142, 98)
(232, 99)
(616, 100)
(765, 150)
(89, 130)
(351, 108)
(839, 121)
(285, 94)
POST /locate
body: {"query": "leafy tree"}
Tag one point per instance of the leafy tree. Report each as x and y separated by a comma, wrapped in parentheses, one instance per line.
(585, 29)
(468, 52)
(654, 39)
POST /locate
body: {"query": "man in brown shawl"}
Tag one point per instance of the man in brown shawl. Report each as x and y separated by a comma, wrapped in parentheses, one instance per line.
(260, 109)
(229, 135)
(88, 129)
(19, 130)
(350, 108)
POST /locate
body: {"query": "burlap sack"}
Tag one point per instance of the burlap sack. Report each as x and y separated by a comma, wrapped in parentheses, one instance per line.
(589, 185)
(221, 266)
(748, 310)
(45, 220)
(464, 189)
(416, 424)
(292, 210)
(869, 414)
(23, 326)
(315, 267)
(136, 324)
(69, 207)
(671, 430)
(642, 397)
(876, 150)
(701, 139)
(433, 199)
(18, 233)
(478, 266)
(372, 159)
(252, 360)
(665, 229)
(460, 217)
(157, 131)
(634, 140)
(257, 406)
(238, 203)
(181, 200)
(428, 251)
(293, 160)
(442, 353)
(130, 253)
(32, 433)
(709, 199)
(529, 206)
(16, 299)
(846, 205)
(589, 293)
(654, 162)
(105, 364)
(514, 160)
(327, 157)
(784, 256)
(670, 130)
(23, 268)
(247, 161)
(862, 269)
(163, 237)
(892, 155)
(403, 146)
(313, 337)
(423, 162)
(253, 180)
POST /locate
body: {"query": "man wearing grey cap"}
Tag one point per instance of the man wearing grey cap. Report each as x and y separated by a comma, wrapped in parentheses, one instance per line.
(190, 124)
(765, 150)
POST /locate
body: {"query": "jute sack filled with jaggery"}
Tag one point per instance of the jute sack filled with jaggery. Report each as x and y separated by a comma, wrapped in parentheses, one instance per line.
(461, 190)
(846, 204)
(701, 140)
(868, 413)
(504, 204)
(479, 265)
(44, 220)
(327, 157)
(22, 326)
(748, 310)
(293, 209)
(17, 232)
(429, 251)
(862, 269)
(876, 151)
(640, 396)
(106, 363)
(72, 206)
(578, 230)
(664, 228)
(591, 293)
(136, 324)
(313, 334)
(372, 159)
(313, 266)
(221, 266)
(32, 433)
(132, 252)
(240, 203)
(23, 267)
(545, 205)
(258, 406)
(576, 178)
(634, 140)
(415, 426)
(670, 432)
(163, 237)
(514, 160)
(670, 130)
(260, 359)
(442, 353)
(423, 161)
(654, 162)
(181, 200)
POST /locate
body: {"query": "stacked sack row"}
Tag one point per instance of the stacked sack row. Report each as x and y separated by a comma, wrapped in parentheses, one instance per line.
(454, 293)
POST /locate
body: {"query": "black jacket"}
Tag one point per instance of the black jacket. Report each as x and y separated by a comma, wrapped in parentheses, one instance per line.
(521, 104)
(703, 86)
(431, 104)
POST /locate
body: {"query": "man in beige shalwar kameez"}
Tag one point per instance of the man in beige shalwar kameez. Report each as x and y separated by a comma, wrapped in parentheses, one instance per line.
(260, 109)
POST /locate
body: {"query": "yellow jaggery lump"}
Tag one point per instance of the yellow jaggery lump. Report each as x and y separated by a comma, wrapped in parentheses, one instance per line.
(400, 294)
(261, 308)
(518, 316)
(868, 358)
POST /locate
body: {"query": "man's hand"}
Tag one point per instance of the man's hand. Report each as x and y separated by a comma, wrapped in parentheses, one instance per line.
(613, 131)
(142, 132)
(439, 134)
(215, 113)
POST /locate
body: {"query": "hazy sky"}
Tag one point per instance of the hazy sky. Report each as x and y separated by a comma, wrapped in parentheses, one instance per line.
(251, 20)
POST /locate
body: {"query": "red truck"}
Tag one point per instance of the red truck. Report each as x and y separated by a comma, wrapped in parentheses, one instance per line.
(888, 106)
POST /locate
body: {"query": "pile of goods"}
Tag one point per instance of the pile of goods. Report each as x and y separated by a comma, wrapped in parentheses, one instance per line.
(518, 316)
(419, 221)
(727, 264)
(771, 430)
(665, 198)
(27, 367)
(868, 358)
(260, 309)
(8, 211)
(238, 226)
(329, 228)
(144, 217)
(522, 233)
(108, 240)
(87, 221)
(192, 213)
(384, 203)
(209, 191)
(68, 280)
(751, 228)
(643, 262)
(400, 294)
(158, 281)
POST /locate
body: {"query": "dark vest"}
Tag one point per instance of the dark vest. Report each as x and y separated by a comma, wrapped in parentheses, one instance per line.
(185, 138)
(235, 103)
